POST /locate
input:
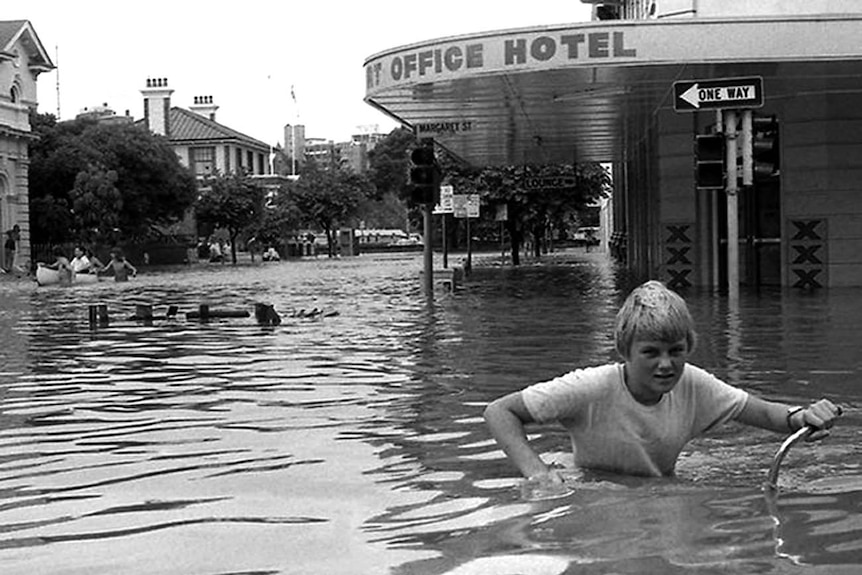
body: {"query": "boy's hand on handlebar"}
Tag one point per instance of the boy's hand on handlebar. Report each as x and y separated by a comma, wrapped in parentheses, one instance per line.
(820, 416)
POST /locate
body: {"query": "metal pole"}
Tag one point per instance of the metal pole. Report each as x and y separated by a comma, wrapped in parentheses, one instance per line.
(732, 207)
(445, 243)
(469, 248)
(747, 149)
(428, 253)
(502, 247)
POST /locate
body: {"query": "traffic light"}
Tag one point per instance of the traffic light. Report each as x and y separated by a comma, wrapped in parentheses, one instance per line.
(765, 148)
(709, 160)
(424, 176)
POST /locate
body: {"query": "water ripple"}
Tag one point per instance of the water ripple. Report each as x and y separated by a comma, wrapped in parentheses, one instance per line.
(229, 447)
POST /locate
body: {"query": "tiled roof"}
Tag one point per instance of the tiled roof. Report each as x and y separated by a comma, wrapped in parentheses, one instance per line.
(12, 30)
(189, 127)
(8, 31)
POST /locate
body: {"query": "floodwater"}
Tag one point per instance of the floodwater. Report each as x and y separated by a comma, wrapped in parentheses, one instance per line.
(354, 443)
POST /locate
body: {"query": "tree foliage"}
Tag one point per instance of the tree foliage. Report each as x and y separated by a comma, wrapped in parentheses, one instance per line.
(96, 201)
(233, 203)
(531, 213)
(535, 212)
(329, 198)
(389, 161)
(80, 160)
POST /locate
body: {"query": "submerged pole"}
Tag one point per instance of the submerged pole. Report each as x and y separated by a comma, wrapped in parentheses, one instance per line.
(428, 253)
(732, 188)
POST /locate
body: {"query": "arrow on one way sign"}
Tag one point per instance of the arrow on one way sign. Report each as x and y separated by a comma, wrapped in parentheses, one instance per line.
(694, 95)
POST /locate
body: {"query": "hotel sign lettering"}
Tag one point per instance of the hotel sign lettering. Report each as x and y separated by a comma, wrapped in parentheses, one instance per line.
(608, 44)
(517, 52)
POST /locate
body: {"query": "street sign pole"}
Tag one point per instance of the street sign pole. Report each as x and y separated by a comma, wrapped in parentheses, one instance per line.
(732, 98)
(445, 243)
(732, 208)
(469, 265)
(428, 254)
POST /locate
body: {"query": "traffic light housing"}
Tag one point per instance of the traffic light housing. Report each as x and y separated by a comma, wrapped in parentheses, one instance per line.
(425, 176)
(709, 161)
(765, 147)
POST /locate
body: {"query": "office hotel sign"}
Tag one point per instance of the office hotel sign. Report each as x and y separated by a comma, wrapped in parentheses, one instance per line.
(592, 46)
(448, 60)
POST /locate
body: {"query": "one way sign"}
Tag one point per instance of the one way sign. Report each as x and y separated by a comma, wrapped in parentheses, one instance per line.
(692, 95)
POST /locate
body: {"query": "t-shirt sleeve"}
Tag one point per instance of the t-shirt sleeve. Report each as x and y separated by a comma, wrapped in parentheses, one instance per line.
(567, 396)
(716, 401)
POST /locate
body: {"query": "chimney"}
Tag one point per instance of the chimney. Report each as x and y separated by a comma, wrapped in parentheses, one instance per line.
(204, 106)
(157, 106)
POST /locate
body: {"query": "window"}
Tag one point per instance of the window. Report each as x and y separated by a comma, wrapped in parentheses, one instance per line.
(13, 94)
(203, 161)
(250, 163)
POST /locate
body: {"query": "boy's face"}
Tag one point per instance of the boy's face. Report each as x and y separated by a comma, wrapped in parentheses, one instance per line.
(653, 368)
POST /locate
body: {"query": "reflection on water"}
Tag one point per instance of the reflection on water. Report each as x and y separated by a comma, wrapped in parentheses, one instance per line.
(228, 447)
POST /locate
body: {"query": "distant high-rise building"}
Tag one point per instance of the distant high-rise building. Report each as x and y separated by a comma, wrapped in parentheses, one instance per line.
(355, 152)
(294, 145)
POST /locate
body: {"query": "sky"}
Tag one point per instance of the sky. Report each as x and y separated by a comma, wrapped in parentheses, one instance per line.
(249, 54)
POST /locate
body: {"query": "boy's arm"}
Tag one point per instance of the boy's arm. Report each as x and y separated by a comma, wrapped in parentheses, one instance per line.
(506, 418)
(784, 419)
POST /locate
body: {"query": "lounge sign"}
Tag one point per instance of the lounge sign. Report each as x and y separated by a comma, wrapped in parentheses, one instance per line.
(549, 182)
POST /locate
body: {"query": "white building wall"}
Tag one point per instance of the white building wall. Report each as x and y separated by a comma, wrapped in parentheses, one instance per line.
(751, 8)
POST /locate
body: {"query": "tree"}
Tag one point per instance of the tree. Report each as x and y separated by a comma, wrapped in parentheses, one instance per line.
(388, 163)
(233, 203)
(329, 198)
(387, 212)
(280, 218)
(538, 211)
(96, 202)
(155, 188)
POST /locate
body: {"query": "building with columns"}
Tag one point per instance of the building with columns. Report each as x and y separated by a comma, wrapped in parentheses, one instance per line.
(22, 59)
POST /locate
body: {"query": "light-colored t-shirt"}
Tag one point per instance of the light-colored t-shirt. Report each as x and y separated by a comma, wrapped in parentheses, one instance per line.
(80, 263)
(610, 430)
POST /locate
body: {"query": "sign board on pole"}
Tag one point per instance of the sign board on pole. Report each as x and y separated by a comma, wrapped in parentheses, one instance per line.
(473, 205)
(459, 204)
(502, 212)
(446, 205)
(466, 205)
(716, 94)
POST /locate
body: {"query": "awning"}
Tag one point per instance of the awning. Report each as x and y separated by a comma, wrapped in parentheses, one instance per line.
(568, 93)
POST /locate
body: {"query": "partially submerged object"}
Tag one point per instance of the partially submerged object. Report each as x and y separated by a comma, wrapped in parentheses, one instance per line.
(796, 437)
(48, 276)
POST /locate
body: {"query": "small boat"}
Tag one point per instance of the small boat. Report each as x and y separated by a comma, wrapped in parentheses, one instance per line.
(47, 276)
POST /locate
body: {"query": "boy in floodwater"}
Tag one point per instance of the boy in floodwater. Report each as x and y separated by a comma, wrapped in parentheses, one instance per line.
(635, 417)
(120, 266)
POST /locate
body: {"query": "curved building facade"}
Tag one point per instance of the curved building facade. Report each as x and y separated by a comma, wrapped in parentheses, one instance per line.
(605, 91)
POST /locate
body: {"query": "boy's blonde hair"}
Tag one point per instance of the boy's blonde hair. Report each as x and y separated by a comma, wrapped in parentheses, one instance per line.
(653, 312)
